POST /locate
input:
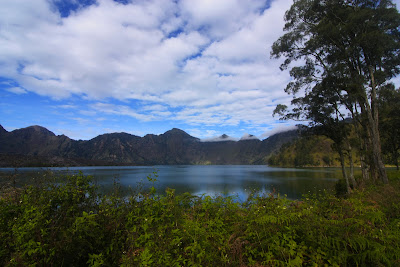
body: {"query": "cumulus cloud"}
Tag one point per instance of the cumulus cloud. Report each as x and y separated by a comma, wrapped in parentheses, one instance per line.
(219, 18)
(195, 61)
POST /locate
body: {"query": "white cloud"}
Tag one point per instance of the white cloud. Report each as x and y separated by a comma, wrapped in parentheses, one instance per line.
(120, 110)
(279, 128)
(222, 138)
(66, 106)
(17, 90)
(154, 108)
(215, 68)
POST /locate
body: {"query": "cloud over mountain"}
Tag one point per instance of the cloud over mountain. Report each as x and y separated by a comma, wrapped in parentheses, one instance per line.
(195, 55)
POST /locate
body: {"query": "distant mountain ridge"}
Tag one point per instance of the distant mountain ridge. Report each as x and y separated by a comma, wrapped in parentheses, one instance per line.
(37, 146)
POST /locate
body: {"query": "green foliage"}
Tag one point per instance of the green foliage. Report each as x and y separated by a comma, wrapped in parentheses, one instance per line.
(348, 51)
(306, 151)
(389, 114)
(68, 223)
(341, 188)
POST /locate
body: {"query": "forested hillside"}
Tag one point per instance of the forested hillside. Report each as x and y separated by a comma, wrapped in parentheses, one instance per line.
(307, 151)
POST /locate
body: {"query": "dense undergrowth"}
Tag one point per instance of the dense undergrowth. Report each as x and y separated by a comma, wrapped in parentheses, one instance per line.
(69, 223)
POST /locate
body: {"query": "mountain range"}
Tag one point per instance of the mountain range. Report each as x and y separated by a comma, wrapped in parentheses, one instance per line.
(37, 146)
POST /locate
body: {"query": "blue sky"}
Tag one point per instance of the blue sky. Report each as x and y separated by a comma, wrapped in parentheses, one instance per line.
(87, 67)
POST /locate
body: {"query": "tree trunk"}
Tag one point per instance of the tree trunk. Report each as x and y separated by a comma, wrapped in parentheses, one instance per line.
(364, 165)
(344, 171)
(372, 114)
(365, 137)
(352, 180)
(364, 168)
(363, 151)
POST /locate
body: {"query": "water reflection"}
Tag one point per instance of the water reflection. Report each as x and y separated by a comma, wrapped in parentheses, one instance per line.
(209, 180)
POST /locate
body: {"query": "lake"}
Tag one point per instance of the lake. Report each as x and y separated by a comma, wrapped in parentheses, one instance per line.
(224, 180)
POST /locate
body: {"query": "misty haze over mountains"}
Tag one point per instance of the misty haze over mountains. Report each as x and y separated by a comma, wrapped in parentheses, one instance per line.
(37, 146)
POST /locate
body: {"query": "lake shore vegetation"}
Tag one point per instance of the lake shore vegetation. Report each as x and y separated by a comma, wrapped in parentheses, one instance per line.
(67, 222)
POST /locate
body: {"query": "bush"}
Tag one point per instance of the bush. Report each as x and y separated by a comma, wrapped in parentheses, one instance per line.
(69, 223)
(341, 188)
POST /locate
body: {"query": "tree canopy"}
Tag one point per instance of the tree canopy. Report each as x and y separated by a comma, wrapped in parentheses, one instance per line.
(345, 50)
(389, 123)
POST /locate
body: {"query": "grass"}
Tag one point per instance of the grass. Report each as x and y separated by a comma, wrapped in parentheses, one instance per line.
(68, 223)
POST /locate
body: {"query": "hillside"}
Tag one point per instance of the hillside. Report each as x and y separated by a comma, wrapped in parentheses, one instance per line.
(37, 146)
(306, 151)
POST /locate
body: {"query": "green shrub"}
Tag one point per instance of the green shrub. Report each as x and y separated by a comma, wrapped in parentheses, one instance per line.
(66, 222)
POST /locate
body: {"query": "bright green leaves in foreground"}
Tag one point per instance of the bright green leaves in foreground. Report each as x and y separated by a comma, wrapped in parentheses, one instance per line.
(69, 224)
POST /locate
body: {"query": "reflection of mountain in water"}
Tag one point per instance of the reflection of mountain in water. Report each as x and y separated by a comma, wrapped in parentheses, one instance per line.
(37, 146)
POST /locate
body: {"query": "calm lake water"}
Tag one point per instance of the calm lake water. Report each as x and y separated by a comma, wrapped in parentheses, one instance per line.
(210, 180)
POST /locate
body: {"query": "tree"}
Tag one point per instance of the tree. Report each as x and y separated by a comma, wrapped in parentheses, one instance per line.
(348, 50)
(389, 113)
(322, 108)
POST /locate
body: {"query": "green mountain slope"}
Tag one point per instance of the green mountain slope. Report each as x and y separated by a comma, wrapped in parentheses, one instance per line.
(305, 152)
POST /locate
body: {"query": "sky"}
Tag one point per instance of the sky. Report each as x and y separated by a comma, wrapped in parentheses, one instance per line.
(88, 67)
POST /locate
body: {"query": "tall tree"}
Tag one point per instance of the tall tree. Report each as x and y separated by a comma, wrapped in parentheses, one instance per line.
(322, 108)
(348, 48)
(389, 113)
